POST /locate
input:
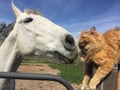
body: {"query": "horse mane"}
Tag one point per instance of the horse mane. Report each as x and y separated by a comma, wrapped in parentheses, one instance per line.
(5, 32)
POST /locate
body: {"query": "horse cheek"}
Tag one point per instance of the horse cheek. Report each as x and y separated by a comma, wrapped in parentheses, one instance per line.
(25, 48)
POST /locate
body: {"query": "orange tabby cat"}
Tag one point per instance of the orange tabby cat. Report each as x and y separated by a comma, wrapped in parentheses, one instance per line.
(102, 50)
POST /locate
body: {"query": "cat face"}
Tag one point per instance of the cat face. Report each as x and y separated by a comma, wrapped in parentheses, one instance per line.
(88, 37)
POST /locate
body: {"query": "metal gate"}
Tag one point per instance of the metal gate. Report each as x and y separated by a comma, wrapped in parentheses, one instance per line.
(36, 76)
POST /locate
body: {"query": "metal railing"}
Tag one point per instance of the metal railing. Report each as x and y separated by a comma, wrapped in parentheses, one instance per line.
(36, 76)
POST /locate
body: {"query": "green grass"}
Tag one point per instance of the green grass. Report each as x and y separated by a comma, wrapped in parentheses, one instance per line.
(71, 72)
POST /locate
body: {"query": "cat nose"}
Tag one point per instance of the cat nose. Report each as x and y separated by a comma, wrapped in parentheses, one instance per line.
(69, 42)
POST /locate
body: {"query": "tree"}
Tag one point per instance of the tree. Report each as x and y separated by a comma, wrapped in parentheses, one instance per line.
(2, 26)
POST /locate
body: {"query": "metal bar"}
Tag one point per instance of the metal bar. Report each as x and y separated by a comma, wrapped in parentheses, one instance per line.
(36, 76)
(118, 80)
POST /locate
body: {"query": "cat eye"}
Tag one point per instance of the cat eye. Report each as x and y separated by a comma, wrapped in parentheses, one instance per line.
(27, 20)
(83, 37)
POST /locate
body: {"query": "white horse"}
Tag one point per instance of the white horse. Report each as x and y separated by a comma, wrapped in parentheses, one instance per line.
(32, 34)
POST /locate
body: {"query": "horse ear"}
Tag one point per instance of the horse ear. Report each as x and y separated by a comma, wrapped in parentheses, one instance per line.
(16, 10)
(93, 29)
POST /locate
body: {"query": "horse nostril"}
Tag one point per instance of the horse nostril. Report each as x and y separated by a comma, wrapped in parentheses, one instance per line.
(69, 39)
(69, 42)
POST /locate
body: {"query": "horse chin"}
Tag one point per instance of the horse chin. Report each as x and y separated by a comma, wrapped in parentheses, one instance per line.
(55, 54)
(62, 58)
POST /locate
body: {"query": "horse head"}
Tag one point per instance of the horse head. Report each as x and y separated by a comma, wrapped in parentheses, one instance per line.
(36, 34)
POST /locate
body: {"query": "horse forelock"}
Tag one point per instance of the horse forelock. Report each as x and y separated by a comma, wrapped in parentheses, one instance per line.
(29, 11)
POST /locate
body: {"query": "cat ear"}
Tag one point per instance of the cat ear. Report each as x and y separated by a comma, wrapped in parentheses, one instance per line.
(93, 29)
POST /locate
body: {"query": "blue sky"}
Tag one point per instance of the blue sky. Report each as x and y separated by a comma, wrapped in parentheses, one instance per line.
(73, 15)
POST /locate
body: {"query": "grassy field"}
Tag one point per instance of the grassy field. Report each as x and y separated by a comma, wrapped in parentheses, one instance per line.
(71, 72)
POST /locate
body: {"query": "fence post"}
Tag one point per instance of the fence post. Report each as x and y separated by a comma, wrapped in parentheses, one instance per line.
(110, 82)
(118, 80)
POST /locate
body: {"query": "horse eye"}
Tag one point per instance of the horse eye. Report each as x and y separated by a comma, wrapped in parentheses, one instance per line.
(27, 20)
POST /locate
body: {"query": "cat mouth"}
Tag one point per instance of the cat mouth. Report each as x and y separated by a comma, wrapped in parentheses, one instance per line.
(82, 44)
